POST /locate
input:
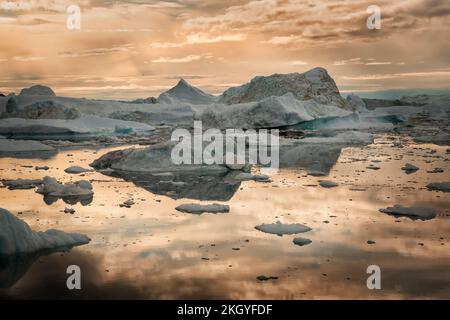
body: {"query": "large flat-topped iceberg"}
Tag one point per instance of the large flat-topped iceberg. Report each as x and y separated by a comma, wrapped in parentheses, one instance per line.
(272, 112)
(85, 124)
(153, 159)
(313, 84)
(16, 237)
(14, 146)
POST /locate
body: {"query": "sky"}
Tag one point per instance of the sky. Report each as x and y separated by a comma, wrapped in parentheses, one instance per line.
(128, 49)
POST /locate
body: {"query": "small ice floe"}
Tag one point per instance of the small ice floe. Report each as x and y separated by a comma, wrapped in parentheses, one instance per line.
(244, 176)
(439, 186)
(69, 210)
(357, 189)
(409, 168)
(316, 173)
(22, 183)
(280, 228)
(301, 241)
(45, 168)
(327, 184)
(69, 192)
(76, 170)
(127, 204)
(18, 238)
(199, 208)
(266, 278)
(413, 213)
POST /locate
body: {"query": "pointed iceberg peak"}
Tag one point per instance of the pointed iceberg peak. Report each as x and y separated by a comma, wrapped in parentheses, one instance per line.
(184, 92)
(183, 82)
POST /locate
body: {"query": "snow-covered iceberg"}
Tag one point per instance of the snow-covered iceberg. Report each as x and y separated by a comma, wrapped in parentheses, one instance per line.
(9, 146)
(84, 125)
(153, 159)
(79, 191)
(16, 237)
(46, 109)
(38, 90)
(313, 84)
(272, 112)
(183, 92)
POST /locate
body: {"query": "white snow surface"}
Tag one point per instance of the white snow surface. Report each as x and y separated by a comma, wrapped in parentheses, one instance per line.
(16, 237)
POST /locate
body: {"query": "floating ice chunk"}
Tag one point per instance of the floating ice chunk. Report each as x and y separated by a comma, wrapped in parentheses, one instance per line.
(412, 213)
(76, 170)
(22, 183)
(243, 176)
(16, 237)
(327, 184)
(281, 228)
(439, 186)
(52, 188)
(266, 278)
(409, 168)
(199, 208)
(301, 241)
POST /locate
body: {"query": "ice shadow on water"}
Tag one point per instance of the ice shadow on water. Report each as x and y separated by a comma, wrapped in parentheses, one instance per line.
(317, 157)
(176, 186)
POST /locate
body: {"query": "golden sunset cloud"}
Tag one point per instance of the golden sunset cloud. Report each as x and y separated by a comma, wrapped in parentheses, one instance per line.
(136, 48)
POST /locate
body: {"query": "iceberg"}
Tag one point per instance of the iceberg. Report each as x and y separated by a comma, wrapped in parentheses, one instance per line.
(16, 237)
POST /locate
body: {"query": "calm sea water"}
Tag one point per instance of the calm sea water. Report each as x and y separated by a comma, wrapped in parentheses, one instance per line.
(153, 251)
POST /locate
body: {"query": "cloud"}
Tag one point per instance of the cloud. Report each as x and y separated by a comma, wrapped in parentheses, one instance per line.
(95, 52)
(28, 59)
(299, 63)
(309, 22)
(200, 38)
(348, 61)
(439, 73)
(189, 58)
(378, 63)
(38, 5)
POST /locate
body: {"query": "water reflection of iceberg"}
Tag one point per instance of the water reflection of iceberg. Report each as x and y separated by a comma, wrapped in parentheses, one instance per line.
(72, 200)
(14, 267)
(177, 186)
